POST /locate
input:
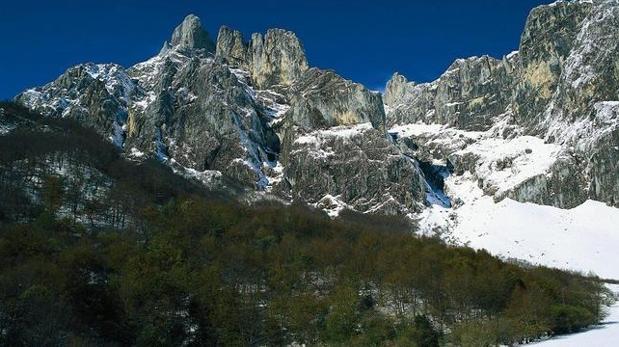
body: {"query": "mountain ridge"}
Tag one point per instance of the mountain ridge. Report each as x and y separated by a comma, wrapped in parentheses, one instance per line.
(248, 109)
(172, 113)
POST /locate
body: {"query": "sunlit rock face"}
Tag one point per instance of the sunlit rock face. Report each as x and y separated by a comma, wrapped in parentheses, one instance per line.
(190, 35)
(275, 58)
(469, 95)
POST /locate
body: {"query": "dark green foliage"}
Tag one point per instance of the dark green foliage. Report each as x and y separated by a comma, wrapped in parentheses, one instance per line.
(177, 265)
(568, 318)
(273, 275)
(424, 334)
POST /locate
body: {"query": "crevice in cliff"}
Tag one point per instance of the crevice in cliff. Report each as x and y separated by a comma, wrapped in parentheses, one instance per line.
(435, 175)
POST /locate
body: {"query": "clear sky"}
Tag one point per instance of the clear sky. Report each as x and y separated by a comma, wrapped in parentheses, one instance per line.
(363, 40)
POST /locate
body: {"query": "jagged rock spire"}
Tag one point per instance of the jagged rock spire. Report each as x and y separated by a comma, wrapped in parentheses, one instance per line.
(190, 34)
(396, 89)
(231, 47)
(276, 57)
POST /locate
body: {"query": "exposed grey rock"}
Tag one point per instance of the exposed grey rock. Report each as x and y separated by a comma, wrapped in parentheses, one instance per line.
(96, 95)
(276, 58)
(569, 103)
(322, 99)
(468, 95)
(205, 118)
(603, 155)
(240, 113)
(190, 34)
(430, 146)
(232, 48)
(548, 38)
(397, 90)
(549, 188)
(254, 112)
(356, 164)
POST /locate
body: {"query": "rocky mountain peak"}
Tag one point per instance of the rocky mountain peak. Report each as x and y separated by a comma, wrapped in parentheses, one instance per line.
(231, 47)
(275, 58)
(278, 57)
(190, 34)
(396, 88)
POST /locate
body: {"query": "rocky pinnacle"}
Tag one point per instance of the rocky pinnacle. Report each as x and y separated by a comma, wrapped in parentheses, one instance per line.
(190, 34)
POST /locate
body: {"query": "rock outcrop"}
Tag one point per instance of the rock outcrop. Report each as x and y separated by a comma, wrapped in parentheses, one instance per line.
(190, 35)
(356, 165)
(275, 58)
(322, 99)
(548, 38)
(96, 95)
(468, 95)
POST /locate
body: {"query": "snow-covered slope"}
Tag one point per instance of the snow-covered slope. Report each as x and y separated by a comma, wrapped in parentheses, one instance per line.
(486, 173)
(584, 238)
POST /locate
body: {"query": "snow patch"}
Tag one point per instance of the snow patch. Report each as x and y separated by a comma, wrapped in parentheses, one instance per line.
(312, 142)
(503, 164)
(134, 152)
(332, 205)
(435, 131)
(511, 54)
(343, 131)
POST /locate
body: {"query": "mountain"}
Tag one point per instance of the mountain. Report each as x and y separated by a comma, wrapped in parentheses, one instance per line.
(539, 125)
(252, 111)
(166, 202)
(532, 141)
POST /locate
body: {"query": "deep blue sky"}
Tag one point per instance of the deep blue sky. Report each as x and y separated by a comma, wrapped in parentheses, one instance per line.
(364, 40)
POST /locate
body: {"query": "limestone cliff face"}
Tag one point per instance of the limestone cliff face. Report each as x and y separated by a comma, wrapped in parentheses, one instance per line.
(468, 95)
(86, 93)
(190, 35)
(356, 165)
(231, 47)
(548, 38)
(322, 99)
(275, 58)
(562, 86)
(397, 89)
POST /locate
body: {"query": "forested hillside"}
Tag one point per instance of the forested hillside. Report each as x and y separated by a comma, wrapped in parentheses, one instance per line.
(98, 250)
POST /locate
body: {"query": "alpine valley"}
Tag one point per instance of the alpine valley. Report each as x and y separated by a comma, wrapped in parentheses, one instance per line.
(517, 155)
